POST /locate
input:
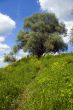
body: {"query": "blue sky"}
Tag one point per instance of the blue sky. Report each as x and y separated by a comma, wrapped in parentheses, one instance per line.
(13, 13)
(17, 10)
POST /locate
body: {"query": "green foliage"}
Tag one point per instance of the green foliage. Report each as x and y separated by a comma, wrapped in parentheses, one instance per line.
(44, 22)
(36, 43)
(15, 49)
(32, 84)
(55, 43)
(22, 39)
(37, 30)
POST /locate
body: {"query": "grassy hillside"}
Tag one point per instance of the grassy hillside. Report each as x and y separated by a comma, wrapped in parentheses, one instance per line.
(32, 84)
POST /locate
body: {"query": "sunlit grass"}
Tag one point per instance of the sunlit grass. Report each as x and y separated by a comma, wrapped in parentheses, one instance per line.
(32, 84)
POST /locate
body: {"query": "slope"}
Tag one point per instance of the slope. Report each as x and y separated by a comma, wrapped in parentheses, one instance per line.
(38, 84)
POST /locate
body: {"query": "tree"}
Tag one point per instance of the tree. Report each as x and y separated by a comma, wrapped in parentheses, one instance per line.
(39, 34)
(9, 58)
(15, 49)
(55, 43)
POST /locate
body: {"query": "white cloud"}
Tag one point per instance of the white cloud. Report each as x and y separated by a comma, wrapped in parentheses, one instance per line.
(6, 24)
(62, 9)
(2, 39)
(21, 54)
(3, 46)
(59, 7)
(69, 25)
(6, 27)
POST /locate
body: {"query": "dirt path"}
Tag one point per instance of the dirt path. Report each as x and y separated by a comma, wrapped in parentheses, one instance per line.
(22, 100)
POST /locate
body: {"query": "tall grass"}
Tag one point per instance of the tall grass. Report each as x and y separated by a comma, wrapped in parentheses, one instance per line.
(32, 84)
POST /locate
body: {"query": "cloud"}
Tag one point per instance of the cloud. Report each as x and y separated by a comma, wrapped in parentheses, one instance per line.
(6, 24)
(69, 25)
(62, 9)
(2, 39)
(21, 54)
(3, 46)
(6, 27)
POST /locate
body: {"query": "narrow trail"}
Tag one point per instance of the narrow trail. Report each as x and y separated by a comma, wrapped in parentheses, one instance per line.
(25, 96)
(22, 100)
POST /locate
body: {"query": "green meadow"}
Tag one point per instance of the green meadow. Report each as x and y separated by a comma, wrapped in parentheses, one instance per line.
(38, 84)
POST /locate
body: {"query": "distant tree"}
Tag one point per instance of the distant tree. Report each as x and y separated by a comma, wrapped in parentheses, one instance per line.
(39, 34)
(9, 58)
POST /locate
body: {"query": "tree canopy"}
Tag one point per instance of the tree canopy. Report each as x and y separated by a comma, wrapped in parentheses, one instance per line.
(42, 32)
